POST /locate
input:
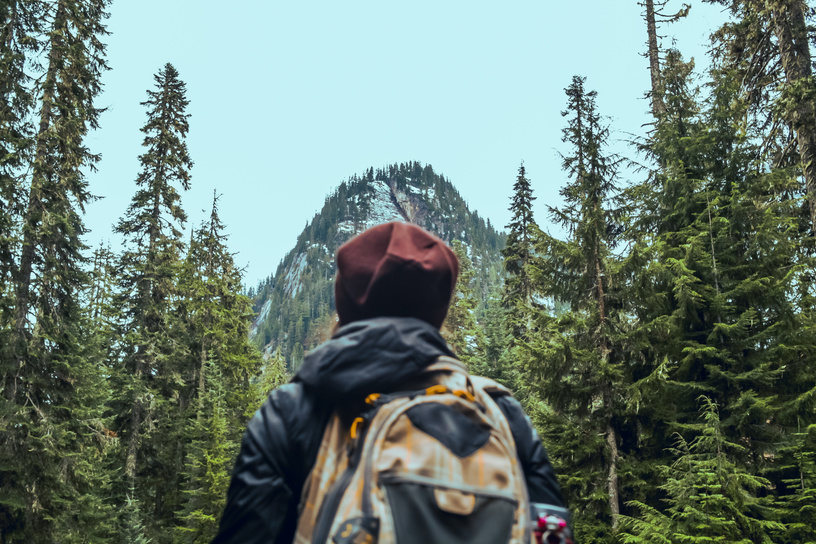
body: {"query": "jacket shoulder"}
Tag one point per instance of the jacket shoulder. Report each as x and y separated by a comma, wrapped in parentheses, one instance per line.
(277, 452)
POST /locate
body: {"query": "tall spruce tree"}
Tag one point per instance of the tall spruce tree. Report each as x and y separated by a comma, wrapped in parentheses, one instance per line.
(767, 45)
(53, 390)
(21, 22)
(460, 329)
(576, 362)
(710, 495)
(718, 285)
(150, 382)
(220, 374)
(517, 253)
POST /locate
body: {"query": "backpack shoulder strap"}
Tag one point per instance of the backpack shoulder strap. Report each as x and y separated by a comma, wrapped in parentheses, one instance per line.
(491, 387)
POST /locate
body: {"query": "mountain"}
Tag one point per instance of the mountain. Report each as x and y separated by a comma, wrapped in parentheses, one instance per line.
(295, 305)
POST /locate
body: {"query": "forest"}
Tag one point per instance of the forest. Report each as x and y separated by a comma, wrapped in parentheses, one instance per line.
(664, 345)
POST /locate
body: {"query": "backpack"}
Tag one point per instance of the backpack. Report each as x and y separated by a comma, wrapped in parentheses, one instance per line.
(436, 464)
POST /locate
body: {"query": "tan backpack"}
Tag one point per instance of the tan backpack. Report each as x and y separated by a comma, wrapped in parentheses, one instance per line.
(436, 464)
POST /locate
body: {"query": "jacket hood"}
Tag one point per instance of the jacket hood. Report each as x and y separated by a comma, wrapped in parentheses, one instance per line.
(374, 355)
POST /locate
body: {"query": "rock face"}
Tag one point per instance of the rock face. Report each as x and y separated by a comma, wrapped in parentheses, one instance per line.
(295, 305)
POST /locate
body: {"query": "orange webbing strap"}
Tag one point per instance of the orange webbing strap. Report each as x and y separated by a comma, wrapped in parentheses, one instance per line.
(437, 390)
(354, 427)
(464, 394)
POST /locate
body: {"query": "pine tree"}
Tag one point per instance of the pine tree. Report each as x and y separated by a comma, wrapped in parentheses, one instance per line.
(132, 527)
(210, 457)
(273, 375)
(460, 329)
(53, 389)
(21, 21)
(149, 378)
(653, 15)
(576, 362)
(799, 504)
(718, 311)
(768, 47)
(517, 254)
(711, 497)
(218, 374)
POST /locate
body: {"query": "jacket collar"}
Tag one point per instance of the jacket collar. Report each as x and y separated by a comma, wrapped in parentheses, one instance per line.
(374, 355)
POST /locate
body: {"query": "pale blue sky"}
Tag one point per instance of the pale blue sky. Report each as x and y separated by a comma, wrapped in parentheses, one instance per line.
(288, 99)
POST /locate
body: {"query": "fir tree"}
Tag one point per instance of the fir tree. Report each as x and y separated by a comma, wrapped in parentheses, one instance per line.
(711, 497)
(150, 381)
(209, 460)
(517, 254)
(21, 21)
(132, 526)
(576, 362)
(220, 368)
(53, 389)
(767, 45)
(718, 311)
(653, 16)
(799, 504)
(461, 331)
(274, 375)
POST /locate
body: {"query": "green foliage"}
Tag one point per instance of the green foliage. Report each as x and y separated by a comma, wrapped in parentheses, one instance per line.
(53, 388)
(149, 377)
(126, 379)
(576, 363)
(517, 253)
(274, 375)
(710, 497)
(460, 329)
(132, 528)
(217, 373)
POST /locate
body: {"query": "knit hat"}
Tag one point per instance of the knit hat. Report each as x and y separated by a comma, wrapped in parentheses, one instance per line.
(395, 269)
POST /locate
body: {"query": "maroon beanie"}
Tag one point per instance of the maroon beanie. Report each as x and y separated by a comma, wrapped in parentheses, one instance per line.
(395, 269)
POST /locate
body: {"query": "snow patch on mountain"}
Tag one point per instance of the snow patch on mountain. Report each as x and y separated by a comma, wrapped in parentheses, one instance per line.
(291, 282)
(382, 205)
(253, 330)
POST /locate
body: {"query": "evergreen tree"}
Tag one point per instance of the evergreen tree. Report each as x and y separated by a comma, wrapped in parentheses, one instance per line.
(799, 505)
(654, 15)
(53, 389)
(717, 285)
(517, 254)
(220, 368)
(460, 329)
(132, 526)
(497, 364)
(274, 375)
(577, 364)
(21, 21)
(149, 382)
(710, 496)
(210, 456)
(767, 45)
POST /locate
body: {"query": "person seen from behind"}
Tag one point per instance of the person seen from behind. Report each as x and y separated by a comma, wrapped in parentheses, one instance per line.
(363, 444)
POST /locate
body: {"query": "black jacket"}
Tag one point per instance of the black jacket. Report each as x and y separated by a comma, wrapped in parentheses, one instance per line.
(281, 441)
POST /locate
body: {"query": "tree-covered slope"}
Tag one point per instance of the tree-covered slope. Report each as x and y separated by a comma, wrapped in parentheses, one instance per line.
(295, 305)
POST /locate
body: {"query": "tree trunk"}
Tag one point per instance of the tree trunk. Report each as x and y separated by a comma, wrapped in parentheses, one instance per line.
(133, 442)
(35, 209)
(791, 32)
(658, 106)
(612, 478)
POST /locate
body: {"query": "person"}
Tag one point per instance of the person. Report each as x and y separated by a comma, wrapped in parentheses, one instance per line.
(393, 287)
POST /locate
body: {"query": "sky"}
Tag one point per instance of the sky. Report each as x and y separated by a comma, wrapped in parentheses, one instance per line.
(289, 99)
